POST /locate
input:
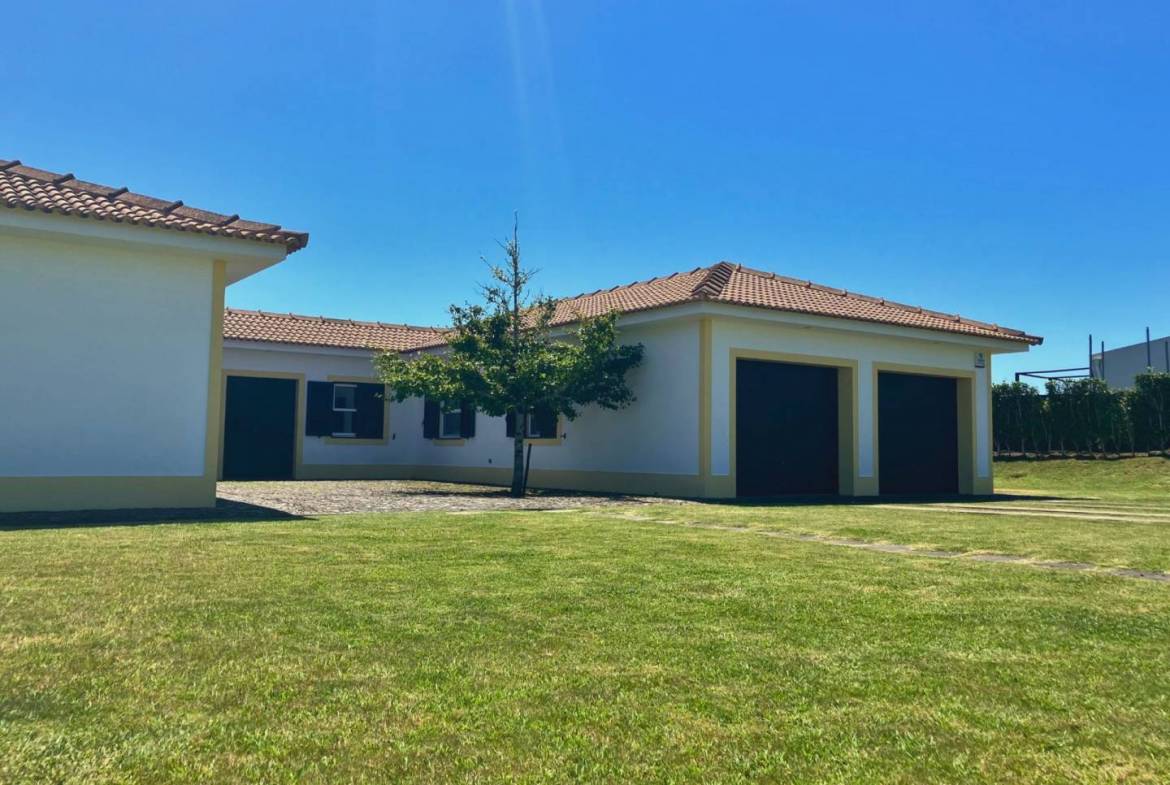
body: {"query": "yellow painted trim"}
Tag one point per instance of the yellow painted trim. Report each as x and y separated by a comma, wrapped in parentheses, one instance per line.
(299, 411)
(966, 412)
(553, 441)
(985, 486)
(849, 483)
(448, 442)
(212, 445)
(385, 412)
(21, 494)
(705, 396)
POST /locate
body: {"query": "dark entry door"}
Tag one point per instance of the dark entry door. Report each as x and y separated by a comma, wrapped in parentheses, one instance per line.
(918, 434)
(259, 439)
(785, 428)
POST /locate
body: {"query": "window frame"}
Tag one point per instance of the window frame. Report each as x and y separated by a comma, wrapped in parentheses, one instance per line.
(443, 412)
(528, 434)
(351, 433)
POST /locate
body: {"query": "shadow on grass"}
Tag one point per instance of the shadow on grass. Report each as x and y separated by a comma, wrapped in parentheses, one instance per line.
(224, 511)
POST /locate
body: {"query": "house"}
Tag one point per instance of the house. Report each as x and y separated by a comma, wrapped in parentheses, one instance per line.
(751, 384)
(110, 342)
(1118, 367)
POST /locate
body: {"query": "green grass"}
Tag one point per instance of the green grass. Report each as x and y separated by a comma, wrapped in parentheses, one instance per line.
(570, 647)
(1127, 479)
(1132, 530)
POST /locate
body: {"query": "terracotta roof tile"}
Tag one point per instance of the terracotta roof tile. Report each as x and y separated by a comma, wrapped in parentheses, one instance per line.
(36, 189)
(723, 282)
(322, 331)
(732, 283)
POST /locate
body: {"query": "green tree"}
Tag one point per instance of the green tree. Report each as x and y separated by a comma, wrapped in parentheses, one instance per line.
(505, 358)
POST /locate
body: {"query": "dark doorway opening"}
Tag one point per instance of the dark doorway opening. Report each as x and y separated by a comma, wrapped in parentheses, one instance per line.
(918, 433)
(259, 438)
(786, 439)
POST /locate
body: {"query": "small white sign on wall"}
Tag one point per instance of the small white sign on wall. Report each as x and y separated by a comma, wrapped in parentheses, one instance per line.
(980, 360)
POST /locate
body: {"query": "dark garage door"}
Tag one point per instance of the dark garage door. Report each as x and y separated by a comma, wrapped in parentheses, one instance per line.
(918, 434)
(259, 436)
(785, 428)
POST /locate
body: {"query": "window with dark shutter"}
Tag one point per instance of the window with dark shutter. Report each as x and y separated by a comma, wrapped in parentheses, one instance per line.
(542, 424)
(369, 421)
(319, 409)
(510, 425)
(467, 420)
(346, 410)
(430, 419)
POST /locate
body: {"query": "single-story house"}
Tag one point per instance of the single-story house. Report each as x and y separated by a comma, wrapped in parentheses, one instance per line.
(111, 308)
(751, 384)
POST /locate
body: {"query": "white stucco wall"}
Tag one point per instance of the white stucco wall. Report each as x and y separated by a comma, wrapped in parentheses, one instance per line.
(866, 348)
(104, 352)
(657, 434)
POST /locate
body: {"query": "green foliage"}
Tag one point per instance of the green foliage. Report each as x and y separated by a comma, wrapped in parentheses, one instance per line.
(505, 357)
(1019, 421)
(1150, 410)
(1083, 416)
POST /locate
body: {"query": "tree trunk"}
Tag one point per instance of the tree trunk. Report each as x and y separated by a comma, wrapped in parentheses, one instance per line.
(518, 460)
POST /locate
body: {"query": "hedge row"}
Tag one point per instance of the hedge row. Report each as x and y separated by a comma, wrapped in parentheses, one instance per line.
(1083, 416)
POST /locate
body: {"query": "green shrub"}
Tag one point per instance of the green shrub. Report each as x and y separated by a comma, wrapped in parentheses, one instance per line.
(1082, 416)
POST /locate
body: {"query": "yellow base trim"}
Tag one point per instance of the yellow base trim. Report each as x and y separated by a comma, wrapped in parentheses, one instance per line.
(29, 494)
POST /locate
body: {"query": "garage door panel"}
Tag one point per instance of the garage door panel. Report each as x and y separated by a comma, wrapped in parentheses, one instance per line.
(786, 428)
(918, 431)
(259, 428)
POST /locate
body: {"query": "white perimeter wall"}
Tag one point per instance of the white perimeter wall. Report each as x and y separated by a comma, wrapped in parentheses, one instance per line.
(866, 349)
(103, 360)
(657, 434)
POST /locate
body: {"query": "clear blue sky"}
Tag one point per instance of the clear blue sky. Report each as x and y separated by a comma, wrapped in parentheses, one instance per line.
(1008, 161)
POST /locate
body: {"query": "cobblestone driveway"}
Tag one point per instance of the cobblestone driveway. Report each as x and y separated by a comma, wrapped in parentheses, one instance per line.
(323, 497)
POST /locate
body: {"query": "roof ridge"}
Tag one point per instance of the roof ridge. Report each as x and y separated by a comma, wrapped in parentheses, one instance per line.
(714, 282)
(331, 319)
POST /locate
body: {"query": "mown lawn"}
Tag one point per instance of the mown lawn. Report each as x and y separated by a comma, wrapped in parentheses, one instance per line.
(563, 647)
(1059, 511)
(1134, 480)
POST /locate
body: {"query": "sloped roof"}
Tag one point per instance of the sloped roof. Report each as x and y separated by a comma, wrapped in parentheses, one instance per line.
(23, 187)
(723, 282)
(738, 285)
(322, 331)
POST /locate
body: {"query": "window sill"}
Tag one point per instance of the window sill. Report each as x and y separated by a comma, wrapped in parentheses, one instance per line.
(449, 441)
(350, 440)
(551, 441)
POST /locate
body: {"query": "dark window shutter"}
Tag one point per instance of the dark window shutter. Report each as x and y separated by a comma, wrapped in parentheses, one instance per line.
(430, 419)
(467, 427)
(368, 421)
(510, 425)
(319, 409)
(544, 422)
